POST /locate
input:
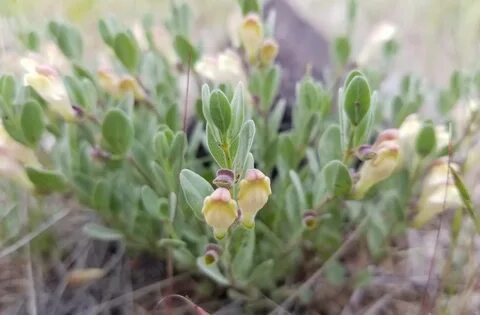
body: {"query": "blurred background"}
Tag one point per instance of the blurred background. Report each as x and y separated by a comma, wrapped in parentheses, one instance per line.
(436, 36)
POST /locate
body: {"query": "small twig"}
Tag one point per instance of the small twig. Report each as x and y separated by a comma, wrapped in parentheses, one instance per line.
(32, 301)
(30, 236)
(135, 294)
(425, 307)
(313, 278)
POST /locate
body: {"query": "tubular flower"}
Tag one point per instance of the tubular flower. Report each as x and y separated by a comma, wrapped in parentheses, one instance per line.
(268, 51)
(253, 195)
(251, 35)
(438, 187)
(381, 165)
(116, 86)
(226, 67)
(47, 82)
(220, 211)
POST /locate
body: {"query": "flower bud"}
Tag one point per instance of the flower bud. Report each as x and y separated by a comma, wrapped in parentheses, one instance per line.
(251, 35)
(365, 152)
(253, 195)
(46, 81)
(378, 168)
(108, 81)
(220, 211)
(225, 178)
(212, 254)
(268, 51)
(129, 84)
(310, 220)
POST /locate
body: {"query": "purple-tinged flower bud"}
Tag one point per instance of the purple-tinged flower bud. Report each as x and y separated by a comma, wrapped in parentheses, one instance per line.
(310, 220)
(212, 254)
(225, 178)
(365, 152)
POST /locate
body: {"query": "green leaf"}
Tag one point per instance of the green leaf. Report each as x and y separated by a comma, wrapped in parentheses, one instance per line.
(426, 140)
(363, 130)
(7, 88)
(171, 243)
(249, 6)
(151, 202)
(32, 122)
(243, 241)
(329, 147)
(220, 110)
(75, 91)
(46, 181)
(214, 148)
(465, 195)
(127, 51)
(195, 189)
(108, 28)
(117, 131)
(67, 38)
(270, 87)
(212, 271)
(342, 49)
(172, 206)
(357, 99)
(245, 142)
(337, 179)
(185, 50)
(238, 110)
(100, 232)
(351, 75)
(297, 184)
(262, 274)
(101, 195)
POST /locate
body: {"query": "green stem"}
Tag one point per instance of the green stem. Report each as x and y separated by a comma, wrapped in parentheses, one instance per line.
(348, 152)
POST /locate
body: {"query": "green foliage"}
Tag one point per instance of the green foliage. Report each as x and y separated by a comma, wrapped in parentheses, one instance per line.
(146, 169)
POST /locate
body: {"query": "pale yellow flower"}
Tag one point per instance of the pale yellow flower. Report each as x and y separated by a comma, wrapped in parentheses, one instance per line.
(47, 82)
(117, 86)
(253, 195)
(381, 166)
(251, 35)
(268, 51)
(226, 67)
(220, 211)
(438, 193)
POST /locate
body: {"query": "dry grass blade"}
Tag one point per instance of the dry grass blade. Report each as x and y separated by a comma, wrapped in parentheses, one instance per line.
(30, 236)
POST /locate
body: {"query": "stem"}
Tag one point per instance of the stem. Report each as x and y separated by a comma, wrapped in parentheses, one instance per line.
(313, 278)
(348, 152)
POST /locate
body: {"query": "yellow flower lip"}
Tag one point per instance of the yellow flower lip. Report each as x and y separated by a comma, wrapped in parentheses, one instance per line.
(253, 195)
(220, 211)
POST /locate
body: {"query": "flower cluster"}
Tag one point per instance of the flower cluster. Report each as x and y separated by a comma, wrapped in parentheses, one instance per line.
(119, 86)
(220, 210)
(257, 47)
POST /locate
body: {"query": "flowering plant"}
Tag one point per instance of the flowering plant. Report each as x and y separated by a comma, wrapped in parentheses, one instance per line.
(229, 181)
